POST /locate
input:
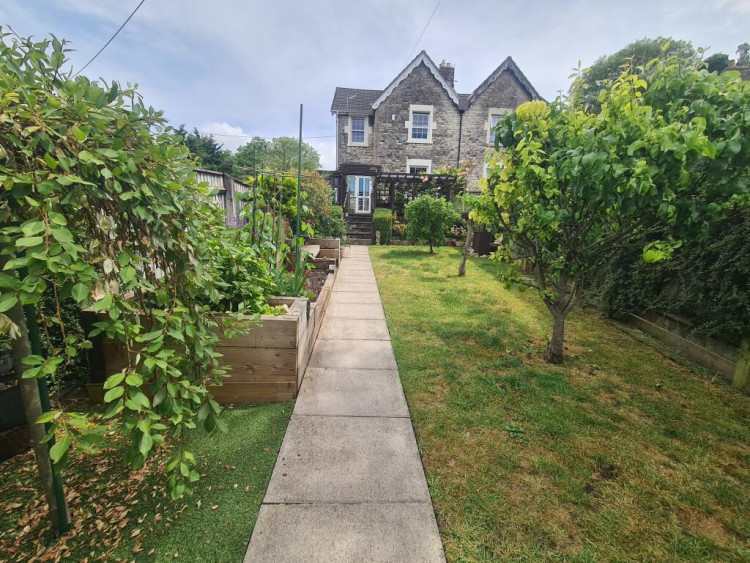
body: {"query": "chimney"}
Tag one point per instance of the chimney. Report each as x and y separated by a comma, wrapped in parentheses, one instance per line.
(448, 71)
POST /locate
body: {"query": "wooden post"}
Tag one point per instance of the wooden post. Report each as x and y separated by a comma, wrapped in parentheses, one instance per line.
(741, 378)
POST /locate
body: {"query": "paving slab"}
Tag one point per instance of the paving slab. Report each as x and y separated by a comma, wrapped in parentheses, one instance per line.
(362, 354)
(372, 311)
(339, 392)
(359, 287)
(348, 484)
(322, 533)
(356, 298)
(348, 459)
(354, 329)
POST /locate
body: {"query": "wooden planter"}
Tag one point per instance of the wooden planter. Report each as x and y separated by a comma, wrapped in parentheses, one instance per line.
(267, 365)
(329, 248)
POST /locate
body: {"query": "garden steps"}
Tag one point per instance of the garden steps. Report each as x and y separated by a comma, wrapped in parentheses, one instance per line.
(348, 483)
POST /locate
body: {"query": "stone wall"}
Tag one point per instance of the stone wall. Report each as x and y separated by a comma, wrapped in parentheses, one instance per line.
(354, 154)
(391, 134)
(505, 93)
(388, 136)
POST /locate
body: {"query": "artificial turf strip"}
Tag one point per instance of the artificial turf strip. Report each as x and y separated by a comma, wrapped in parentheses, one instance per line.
(620, 454)
(213, 524)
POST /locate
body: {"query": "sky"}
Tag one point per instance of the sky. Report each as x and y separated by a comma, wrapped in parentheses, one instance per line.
(242, 67)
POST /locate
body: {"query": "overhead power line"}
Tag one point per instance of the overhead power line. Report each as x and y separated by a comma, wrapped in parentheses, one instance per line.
(99, 52)
(260, 137)
(408, 59)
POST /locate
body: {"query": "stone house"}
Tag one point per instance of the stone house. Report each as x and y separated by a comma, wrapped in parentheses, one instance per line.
(417, 125)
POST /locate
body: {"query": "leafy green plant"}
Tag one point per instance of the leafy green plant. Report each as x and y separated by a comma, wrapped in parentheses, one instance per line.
(100, 205)
(428, 219)
(383, 222)
(658, 162)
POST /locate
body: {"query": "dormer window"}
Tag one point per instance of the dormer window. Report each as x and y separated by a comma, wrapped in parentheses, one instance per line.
(420, 125)
(357, 131)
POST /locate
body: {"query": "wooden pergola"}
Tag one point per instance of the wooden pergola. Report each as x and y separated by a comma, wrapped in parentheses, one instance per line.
(392, 190)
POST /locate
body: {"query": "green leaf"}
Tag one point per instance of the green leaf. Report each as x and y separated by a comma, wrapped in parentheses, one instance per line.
(80, 292)
(62, 234)
(48, 416)
(113, 394)
(145, 445)
(134, 380)
(33, 228)
(26, 242)
(79, 134)
(104, 303)
(60, 448)
(7, 300)
(127, 274)
(114, 380)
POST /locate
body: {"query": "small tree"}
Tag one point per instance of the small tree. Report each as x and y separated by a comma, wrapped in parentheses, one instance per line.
(428, 218)
(657, 161)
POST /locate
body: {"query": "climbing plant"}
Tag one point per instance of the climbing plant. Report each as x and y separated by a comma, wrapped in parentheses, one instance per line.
(100, 206)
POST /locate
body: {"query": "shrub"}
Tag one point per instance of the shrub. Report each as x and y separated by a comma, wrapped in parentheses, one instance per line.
(428, 220)
(383, 222)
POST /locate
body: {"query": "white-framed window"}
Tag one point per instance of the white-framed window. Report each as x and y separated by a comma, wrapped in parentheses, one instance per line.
(357, 130)
(493, 122)
(493, 117)
(418, 166)
(421, 124)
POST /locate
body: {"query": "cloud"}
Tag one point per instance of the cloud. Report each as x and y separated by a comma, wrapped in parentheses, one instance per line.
(327, 150)
(228, 135)
(246, 66)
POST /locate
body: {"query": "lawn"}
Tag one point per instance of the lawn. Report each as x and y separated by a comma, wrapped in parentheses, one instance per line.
(122, 516)
(619, 454)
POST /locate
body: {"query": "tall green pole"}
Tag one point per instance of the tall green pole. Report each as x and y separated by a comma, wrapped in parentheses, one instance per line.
(63, 516)
(255, 204)
(299, 183)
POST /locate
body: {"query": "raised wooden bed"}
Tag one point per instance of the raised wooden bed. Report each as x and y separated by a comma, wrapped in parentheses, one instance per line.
(267, 365)
(329, 248)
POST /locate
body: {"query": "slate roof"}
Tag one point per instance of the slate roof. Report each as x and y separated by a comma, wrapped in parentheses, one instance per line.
(357, 100)
(354, 100)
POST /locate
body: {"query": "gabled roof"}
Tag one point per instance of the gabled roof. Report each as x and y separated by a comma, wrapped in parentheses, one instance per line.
(354, 100)
(507, 65)
(422, 57)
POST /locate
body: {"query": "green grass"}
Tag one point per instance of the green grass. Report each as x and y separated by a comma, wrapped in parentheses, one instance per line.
(619, 454)
(213, 524)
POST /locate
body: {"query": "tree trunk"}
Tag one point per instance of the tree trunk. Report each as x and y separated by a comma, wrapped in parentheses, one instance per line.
(33, 408)
(467, 248)
(431, 249)
(555, 347)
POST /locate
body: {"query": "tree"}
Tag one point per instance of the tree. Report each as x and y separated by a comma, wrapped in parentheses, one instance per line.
(253, 154)
(210, 153)
(743, 54)
(659, 160)
(608, 68)
(100, 204)
(283, 154)
(428, 218)
(717, 62)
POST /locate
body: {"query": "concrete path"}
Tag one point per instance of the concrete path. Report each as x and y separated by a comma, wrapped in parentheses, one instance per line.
(348, 483)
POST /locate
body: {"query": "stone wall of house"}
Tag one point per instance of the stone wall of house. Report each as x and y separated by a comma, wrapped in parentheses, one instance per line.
(354, 154)
(388, 136)
(392, 148)
(505, 93)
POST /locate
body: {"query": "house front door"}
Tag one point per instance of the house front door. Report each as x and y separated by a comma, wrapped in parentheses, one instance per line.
(362, 194)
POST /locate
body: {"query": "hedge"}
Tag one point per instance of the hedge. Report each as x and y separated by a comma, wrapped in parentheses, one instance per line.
(383, 222)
